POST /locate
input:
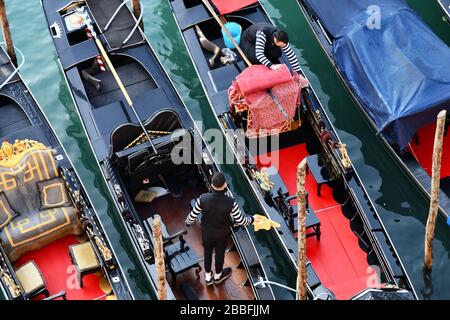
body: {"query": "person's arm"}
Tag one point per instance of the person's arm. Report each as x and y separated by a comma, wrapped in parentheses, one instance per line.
(260, 47)
(238, 218)
(290, 54)
(193, 215)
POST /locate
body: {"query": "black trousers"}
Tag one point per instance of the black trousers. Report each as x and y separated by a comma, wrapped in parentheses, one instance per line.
(218, 245)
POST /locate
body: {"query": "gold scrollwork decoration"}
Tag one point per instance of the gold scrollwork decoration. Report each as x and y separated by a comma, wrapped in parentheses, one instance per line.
(10, 284)
(12, 153)
(263, 177)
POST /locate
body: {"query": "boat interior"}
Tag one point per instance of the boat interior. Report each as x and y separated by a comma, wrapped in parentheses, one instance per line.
(41, 232)
(158, 186)
(339, 250)
(44, 237)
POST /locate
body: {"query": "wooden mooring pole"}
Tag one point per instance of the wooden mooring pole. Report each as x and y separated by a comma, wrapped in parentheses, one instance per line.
(435, 179)
(136, 4)
(301, 235)
(159, 259)
(7, 33)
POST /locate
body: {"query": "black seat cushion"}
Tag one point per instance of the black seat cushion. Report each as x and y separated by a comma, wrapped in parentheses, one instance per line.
(181, 260)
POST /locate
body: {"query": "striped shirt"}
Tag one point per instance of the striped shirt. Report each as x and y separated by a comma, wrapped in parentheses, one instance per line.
(236, 215)
(261, 45)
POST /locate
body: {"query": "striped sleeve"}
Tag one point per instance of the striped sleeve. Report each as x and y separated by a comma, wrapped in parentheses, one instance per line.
(293, 61)
(193, 215)
(238, 217)
(260, 47)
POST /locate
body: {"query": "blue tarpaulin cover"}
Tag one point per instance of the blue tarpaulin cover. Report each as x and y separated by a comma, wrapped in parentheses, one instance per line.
(398, 68)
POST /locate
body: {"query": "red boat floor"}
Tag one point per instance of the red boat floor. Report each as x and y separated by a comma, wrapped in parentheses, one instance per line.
(337, 258)
(423, 152)
(59, 273)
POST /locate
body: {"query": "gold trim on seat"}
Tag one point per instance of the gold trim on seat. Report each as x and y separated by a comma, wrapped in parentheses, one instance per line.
(12, 154)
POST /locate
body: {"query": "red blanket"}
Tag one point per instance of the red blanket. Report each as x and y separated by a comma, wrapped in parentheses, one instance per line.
(228, 6)
(264, 116)
(258, 77)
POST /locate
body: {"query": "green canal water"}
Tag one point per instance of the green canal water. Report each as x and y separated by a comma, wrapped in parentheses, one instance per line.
(402, 207)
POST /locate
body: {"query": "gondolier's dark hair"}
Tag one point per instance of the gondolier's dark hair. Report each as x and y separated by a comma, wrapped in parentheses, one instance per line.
(218, 180)
(281, 36)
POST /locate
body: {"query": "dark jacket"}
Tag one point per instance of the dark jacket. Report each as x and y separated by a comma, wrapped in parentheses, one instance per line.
(217, 209)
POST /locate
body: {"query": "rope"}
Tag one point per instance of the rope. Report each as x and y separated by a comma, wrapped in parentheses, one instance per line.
(15, 69)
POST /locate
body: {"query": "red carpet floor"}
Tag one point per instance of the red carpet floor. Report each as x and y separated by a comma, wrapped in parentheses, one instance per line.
(337, 258)
(424, 151)
(59, 274)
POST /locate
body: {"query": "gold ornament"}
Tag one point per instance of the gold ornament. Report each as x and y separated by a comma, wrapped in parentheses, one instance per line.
(11, 154)
(263, 177)
(345, 158)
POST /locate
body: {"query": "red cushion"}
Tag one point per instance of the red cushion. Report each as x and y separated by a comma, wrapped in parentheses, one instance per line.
(227, 6)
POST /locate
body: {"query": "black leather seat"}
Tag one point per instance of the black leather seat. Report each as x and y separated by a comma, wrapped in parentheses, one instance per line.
(181, 258)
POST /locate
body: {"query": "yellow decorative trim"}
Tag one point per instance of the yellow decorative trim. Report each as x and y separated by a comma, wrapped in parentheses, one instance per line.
(12, 154)
(63, 194)
(3, 206)
(47, 175)
(263, 177)
(9, 282)
(55, 171)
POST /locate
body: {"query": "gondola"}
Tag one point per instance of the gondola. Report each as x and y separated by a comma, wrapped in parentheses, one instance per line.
(338, 204)
(445, 6)
(404, 120)
(53, 245)
(135, 146)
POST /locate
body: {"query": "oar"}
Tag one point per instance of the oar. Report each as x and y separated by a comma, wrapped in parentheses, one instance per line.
(211, 10)
(88, 22)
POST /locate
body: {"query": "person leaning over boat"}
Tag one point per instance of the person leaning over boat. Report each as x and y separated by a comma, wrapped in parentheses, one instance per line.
(217, 208)
(263, 44)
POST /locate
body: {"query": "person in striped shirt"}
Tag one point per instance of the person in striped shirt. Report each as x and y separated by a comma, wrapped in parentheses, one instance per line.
(217, 209)
(263, 44)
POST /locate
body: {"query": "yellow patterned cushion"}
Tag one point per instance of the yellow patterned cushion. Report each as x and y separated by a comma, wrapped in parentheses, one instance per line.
(18, 180)
(53, 193)
(6, 212)
(31, 232)
(30, 277)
